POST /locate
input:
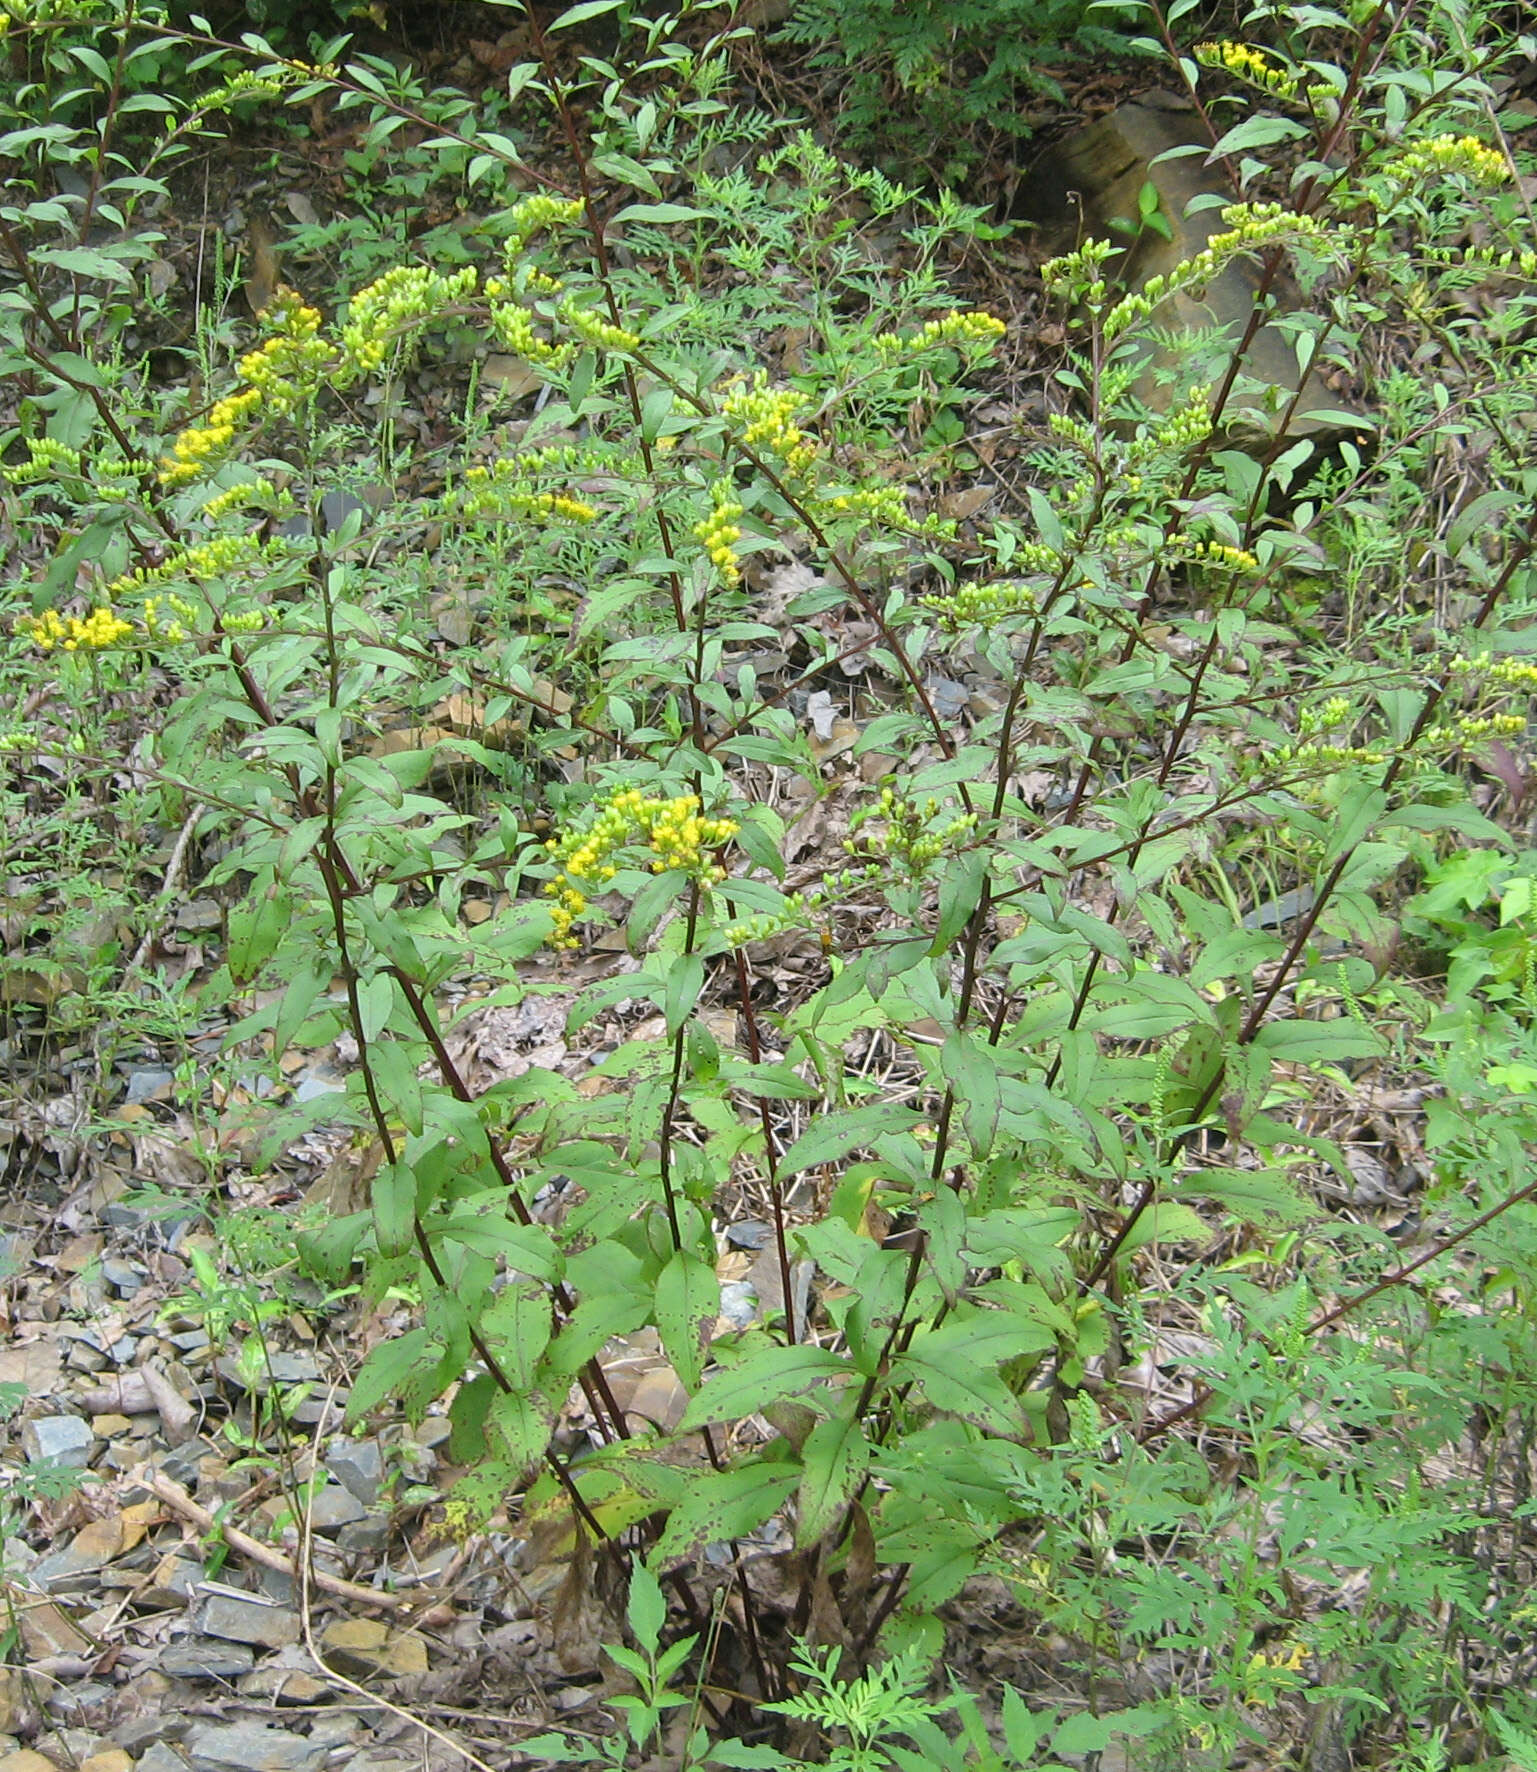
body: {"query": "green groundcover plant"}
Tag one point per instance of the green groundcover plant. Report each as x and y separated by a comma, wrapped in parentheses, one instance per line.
(1086, 943)
(924, 81)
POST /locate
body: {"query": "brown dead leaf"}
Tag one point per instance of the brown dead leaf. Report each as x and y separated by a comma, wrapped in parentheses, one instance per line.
(959, 506)
(511, 377)
(264, 268)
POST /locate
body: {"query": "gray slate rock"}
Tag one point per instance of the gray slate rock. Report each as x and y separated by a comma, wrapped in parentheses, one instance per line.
(253, 1747)
(248, 1621)
(359, 1466)
(202, 1658)
(334, 1507)
(362, 1538)
(159, 1756)
(64, 1441)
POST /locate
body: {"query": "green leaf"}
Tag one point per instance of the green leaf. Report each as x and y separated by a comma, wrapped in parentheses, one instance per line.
(584, 9)
(303, 988)
(1269, 1198)
(1315, 1043)
(394, 1203)
(943, 1221)
(834, 1135)
(687, 1304)
(646, 1609)
(970, 1066)
(960, 892)
(1086, 1734)
(329, 1249)
(376, 998)
(522, 1422)
(768, 1376)
(467, 1418)
(257, 926)
(938, 1575)
(81, 261)
(392, 1369)
(622, 169)
(685, 980)
(834, 1459)
(983, 1338)
(719, 1506)
(517, 1326)
(481, 1223)
(1020, 1233)
(1167, 1222)
(393, 1063)
(975, 1393)
(887, 960)
(661, 213)
(1259, 132)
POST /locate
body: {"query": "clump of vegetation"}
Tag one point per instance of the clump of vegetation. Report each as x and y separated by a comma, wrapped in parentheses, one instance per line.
(924, 83)
(1003, 983)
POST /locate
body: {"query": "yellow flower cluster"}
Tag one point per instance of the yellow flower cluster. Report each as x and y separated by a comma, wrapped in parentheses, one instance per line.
(242, 493)
(1250, 227)
(1473, 257)
(1336, 711)
(1453, 734)
(514, 327)
(249, 83)
(493, 493)
(954, 329)
(595, 330)
(1496, 673)
(1216, 554)
(719, 533)
(69, 633)
(1320, 756)
(907, 830)
(768, 419)
(1184, 427)
(214, 558)
(200, 447)
(1250, 65)
(282, 373)
(1084, 265)
(984, 604)
(533, 215)
(879, 504)
(113, 478)
(1071, 430)
(288, 368)
(173, 631)
(1444, 155)
(674, 830)
(379, 316)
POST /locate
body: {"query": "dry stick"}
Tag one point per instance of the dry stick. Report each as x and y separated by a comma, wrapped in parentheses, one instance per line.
(167, 886)
(177, 1498)
(307, 1574)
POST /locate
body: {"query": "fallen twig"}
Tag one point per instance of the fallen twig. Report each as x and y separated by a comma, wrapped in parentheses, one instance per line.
(177, 1498)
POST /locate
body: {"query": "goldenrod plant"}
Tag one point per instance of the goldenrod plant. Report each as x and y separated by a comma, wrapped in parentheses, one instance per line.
(1051, 1129)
